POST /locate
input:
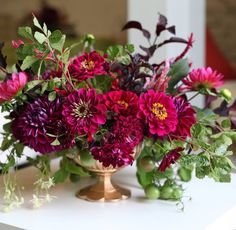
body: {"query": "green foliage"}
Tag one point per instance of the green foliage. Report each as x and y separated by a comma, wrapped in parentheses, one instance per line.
(102, 83)
(120, 53)
(178, 71)
(25, 32)
(68, 167)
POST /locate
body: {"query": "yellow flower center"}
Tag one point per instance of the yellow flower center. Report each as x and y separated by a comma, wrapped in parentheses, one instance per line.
(122, 102)
(87, 64)
(81, 110)
(160, 111)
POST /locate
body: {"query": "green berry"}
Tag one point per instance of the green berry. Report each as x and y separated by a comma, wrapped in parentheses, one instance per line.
(166, 192)
(177, 193)
(147, 164)
(185, 174)
(152, 192)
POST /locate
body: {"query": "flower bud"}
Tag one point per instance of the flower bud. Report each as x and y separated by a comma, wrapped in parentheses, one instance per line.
(226, 93)
(89, 38)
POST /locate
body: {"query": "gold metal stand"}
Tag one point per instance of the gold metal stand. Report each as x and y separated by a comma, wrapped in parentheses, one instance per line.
(104, 190)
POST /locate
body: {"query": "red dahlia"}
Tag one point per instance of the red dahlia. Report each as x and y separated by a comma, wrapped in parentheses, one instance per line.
(170, 158)
(127, 130)
(186, 118)
(87, 66)
(159, 111)
(122, 102)
(202, 78)
(83, 111)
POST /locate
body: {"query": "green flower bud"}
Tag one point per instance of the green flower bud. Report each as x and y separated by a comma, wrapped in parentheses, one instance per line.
(90, 39)
(226, 94)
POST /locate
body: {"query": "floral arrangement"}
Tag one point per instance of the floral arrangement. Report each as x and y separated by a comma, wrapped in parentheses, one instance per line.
(103, 104)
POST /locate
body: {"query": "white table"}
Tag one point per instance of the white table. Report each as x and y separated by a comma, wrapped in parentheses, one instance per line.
(213, 206)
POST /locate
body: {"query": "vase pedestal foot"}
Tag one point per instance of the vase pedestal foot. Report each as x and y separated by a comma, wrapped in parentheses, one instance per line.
(103, 190)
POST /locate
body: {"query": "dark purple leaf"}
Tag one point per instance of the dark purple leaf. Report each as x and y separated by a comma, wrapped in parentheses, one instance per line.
(161, 25)
(162, 20)
(132, 25)
(3, 59)
(137, 25)
(222, 110)
(146, 34)
(159, 29)
(233, 122)
(171, 29)
(173, 40)
(149, 51)
(209, 100)
(232, 108)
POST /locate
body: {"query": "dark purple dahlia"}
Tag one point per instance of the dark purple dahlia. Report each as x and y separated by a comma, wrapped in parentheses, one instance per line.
(38, 124)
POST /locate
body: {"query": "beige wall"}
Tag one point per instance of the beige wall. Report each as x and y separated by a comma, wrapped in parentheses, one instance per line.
(221, 19)
(104, 18)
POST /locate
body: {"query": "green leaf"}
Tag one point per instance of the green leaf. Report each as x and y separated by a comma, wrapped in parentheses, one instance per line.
(72, 167)
(60, 176)
(25, 32)
(102, 83)
(57, 40)
(36, 23)
(86, 158)
(178, 71)
(40, 37)
(23, 51)
(55, 142)
(44, 87)
(226, 123)
(144, 179)
(129, 48)
(7, 127)
(6, 143)
(19, 147)
(52, 96)
(31, 84)
(28, 62)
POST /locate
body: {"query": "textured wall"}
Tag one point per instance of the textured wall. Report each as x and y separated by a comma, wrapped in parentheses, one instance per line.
(104, 18)
(221, 19)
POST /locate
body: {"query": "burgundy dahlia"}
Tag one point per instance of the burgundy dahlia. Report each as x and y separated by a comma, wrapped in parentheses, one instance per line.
(202, 78)
(87, 66)
(186, 118)
(38, 124)
(159, 112)
(84, 112)
(169, 159)
(115, 154)
(126, 130)
(122, 102)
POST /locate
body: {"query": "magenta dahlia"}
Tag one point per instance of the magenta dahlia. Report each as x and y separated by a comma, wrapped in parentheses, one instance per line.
(83, 111)
(38, 124)
(115, 154)
(170, 158)
(159, 112)
(126, 130)
(87, 66)
(12, 86)
(202, 78)
(186, 118)
(122, 102)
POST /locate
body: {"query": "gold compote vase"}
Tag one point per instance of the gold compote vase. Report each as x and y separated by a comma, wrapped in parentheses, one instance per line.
(104, 189)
